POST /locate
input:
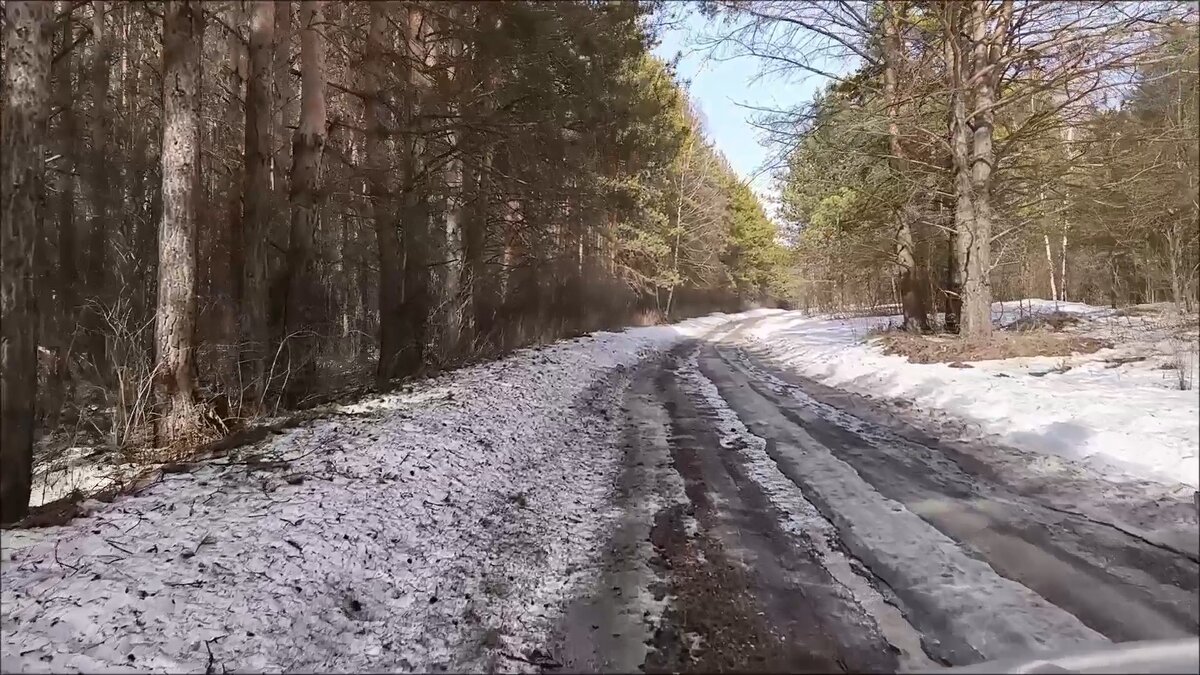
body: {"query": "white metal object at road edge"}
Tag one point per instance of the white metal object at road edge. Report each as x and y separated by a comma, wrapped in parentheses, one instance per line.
(1150, 656)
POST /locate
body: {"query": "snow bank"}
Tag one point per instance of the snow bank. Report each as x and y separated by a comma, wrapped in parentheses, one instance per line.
(437, 529)
(1119, 409)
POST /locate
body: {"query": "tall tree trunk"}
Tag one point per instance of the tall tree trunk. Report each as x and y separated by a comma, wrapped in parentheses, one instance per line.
(416, 226)
(65, 280)
(146, 196)
(678, 234)
(27, 54)
(175, 325)
(1175, 253)
(451, 205)
(286, 106)
(986, 43)
(308, 144)
(99, 270)
(481, 291)
(960, 162)
(383, 211)
(953, 292)
(1050, 263)
(470, 234)
(1062, 277)
(452, 255)
(225, 252)
(287, 111)
(221, 256)
(257, 212)
(912, 294)
(483, 288)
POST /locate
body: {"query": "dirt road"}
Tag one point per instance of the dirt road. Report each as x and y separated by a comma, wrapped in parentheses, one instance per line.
(771, 524)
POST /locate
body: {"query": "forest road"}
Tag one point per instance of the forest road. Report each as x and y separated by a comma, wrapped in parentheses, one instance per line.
(765, 528)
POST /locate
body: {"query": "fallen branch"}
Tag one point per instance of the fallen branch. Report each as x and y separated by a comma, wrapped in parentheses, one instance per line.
(119, 548)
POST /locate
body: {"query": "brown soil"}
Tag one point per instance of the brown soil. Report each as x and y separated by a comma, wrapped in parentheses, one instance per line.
(715, 622)
(1002, 345)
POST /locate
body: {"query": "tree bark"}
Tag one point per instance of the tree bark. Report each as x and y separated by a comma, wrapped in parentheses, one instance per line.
(1174, 238)
(383, 211)
(451, 206)
(1050, 263)
(142, 219)
(913, 301)
(286, 116)
(481, 291)
(986, 41)
(62, 312)
(256, 211)
(175, 325)
(960, 161)
(27, 55)
(1062, 277)
(416, 217)
(100, 267)
(286, 107)
(308, 145)
(225, 255)
(482, 287)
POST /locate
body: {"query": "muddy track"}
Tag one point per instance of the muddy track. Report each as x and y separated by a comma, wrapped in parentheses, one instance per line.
(700, 575)
(1085, 567)
(762, 528)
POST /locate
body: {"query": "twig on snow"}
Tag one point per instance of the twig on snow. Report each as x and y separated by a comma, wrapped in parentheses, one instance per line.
(59, 561)
(139, 522)
(538, 659)
(208, 668)
(203, 540)
(119, 548)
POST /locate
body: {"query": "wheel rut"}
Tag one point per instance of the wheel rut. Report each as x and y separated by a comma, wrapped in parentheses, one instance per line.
(756, 533)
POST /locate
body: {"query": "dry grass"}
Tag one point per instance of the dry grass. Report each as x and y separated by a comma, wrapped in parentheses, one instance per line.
(1002, 345)
(1050, 321)
(647, 317)
(1157, 309)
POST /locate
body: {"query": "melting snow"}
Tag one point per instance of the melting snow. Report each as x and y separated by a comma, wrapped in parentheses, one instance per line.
(1119, 409)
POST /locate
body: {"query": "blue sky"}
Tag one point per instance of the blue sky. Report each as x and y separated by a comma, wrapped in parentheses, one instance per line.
(719, 85)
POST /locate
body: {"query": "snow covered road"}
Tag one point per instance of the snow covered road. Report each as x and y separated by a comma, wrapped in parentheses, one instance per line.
(433, 529)
(668, 498)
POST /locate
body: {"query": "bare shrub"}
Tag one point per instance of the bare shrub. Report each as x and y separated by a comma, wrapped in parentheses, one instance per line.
(124, 384)
(1182, 362)
(647, 317)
